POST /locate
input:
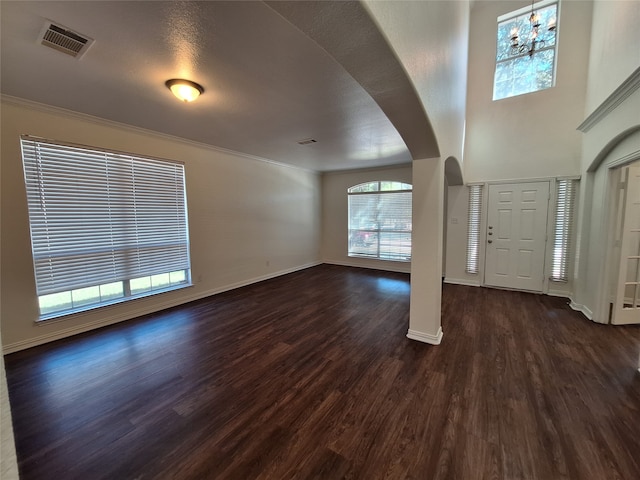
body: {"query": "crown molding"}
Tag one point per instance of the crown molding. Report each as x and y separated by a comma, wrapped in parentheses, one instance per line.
(41, 107)
(619, 95)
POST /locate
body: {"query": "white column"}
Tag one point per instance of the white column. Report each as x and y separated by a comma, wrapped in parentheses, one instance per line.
(426, 254)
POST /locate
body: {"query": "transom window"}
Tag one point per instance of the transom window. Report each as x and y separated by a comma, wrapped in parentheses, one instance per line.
(380, 220)
(529, 65)
(105, 226)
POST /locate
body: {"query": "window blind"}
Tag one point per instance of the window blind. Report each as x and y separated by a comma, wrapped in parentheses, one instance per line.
(99, 216)
(563, 233)
(473, 228)
(380, 224)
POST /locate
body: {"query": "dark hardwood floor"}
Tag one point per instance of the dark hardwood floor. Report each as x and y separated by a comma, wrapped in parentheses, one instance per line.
(311, 376)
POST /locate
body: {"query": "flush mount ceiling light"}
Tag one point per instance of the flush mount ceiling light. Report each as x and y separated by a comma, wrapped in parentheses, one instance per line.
(184, 90)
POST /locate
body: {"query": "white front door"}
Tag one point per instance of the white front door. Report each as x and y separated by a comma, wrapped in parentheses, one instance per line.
(626, 309)
(516, 235)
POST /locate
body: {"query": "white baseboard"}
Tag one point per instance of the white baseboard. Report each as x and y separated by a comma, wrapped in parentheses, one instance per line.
(460, 281)
(582, 309)
(400, 267)
(426, 337)
(559, 293)
(138, 312)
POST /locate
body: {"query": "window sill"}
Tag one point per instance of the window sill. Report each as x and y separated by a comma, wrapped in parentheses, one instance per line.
(370, 257)
(116, 301)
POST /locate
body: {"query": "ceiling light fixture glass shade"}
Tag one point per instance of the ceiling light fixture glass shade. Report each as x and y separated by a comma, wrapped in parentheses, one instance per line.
(535, 41)
(184, 90)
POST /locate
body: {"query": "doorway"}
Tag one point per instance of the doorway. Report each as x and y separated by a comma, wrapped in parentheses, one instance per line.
(516, 235)
(626, 248)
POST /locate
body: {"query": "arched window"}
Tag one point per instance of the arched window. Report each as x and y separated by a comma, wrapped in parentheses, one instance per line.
(380, 220)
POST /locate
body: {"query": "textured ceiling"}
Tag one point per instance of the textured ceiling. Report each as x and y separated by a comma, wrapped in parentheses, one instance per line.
(267, 84)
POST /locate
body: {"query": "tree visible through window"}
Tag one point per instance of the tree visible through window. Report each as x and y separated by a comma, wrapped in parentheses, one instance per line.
(520, 71)
(380, 220)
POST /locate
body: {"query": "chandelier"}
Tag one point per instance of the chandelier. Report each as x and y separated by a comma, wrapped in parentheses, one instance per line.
(536, 40)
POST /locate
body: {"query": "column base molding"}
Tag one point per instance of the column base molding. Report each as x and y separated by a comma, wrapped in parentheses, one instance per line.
(426, 337)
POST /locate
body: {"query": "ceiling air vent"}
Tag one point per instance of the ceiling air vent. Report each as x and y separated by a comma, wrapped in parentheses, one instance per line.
(307, 141)
(65, 40)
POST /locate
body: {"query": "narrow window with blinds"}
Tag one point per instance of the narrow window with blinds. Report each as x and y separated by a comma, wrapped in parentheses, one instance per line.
(106, 226)
(473, 229)
(380, 220)
(563, 232)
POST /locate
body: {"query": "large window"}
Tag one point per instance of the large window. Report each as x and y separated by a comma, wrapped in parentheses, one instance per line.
(563, 232)
(105, 226)
(521, 70)
(380, 220)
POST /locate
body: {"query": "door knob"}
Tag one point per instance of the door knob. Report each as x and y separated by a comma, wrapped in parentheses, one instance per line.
(490, 241)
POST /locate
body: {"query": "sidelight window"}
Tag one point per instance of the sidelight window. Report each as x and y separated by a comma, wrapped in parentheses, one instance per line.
(473, 229)
(563, 231)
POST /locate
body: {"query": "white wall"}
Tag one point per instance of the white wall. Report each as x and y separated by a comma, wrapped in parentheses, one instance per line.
(456, 216)
(593, 272)
(431, 41)
(594, 265)
(335, 218)
(248, 219)
(532, 135)
(615, 52)
(614, 59)
(8, 458)
(611, 136)
(439, 72)
(519, 138)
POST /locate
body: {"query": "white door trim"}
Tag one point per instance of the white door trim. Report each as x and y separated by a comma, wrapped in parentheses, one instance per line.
(629, 225)
(603, 303)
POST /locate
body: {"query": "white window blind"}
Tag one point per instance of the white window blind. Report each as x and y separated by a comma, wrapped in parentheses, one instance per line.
(563, 233)
(380, 221)
(473, 228)
(98, 216)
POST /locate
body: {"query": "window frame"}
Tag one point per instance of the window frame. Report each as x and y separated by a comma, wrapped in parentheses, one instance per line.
(376, 230)
(509, 18)
(474, 227)
(566, 195)
(103, 218)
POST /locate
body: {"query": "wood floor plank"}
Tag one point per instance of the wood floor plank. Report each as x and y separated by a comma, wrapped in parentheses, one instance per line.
(311, 376)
